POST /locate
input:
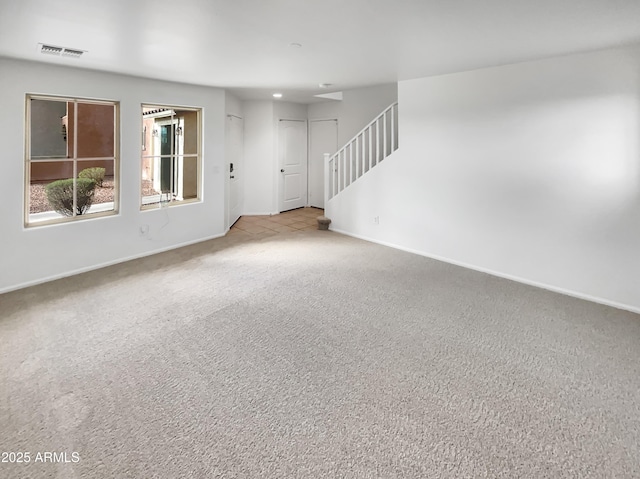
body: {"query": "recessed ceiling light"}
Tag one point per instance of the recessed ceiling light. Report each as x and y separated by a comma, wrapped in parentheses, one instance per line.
(295, 45)
(277, 95)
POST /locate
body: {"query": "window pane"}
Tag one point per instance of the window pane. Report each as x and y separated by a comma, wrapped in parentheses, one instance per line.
(102, 173)
(48, 129)
(150, 186)
(44, 173)
(170, 156)
(159, 124)
(188, 121)
(95, 130)
(167, 167)
(157, 177)
(189, 177)
(166, 138)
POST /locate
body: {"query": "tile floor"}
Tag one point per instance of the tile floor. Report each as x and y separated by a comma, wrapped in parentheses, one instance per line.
(301, 219)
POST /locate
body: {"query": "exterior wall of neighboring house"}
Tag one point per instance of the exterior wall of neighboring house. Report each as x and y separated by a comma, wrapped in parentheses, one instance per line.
(190, 164)
(94, 139)
(95, 131)
(47, 138)
(147, 148)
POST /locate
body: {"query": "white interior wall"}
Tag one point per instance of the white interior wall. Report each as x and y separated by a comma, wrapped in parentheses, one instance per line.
(31, 255)
(284, 110)
(357, 108)
(260, 187)
(529, 171)
(233, 104)
(262, 170)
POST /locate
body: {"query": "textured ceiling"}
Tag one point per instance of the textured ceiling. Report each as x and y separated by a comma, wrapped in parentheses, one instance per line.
(245, 44)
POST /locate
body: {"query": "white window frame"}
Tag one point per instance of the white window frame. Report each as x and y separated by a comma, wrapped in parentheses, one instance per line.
(177, 156)
(53, 217)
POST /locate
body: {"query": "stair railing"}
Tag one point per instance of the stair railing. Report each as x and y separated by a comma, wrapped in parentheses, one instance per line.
(369, 147)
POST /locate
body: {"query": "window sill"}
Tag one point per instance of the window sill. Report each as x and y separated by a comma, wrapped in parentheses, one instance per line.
(152, 203)
(51, 217)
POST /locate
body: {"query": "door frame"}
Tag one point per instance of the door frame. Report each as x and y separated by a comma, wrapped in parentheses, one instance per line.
(280, 166)
(229, 119)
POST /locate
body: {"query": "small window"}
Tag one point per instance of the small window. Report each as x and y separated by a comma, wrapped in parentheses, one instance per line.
(170, 155)
(71, 159)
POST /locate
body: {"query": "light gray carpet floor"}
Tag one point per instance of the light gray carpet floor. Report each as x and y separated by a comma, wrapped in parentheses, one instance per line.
(314, 355)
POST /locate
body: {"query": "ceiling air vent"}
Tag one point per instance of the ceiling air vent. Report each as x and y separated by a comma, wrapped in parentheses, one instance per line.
(60, 51)
(68, 52)
(50, 49)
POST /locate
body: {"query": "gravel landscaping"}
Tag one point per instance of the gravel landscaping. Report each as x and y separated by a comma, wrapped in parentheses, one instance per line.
(38, 202)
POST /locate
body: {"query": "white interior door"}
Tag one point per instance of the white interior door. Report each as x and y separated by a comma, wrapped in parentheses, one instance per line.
(293, 164)
(323, 138)
(235, 167)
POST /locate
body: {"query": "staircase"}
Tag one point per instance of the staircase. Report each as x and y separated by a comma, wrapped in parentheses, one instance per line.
(369, 147)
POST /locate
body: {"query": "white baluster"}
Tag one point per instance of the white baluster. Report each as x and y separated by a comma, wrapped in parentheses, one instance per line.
(344, 170)
(358, 171)
(350, 163)
(369, 155)
(336, 184)
(377, 140)
(393, 131)
(384, 130)
(328, 167)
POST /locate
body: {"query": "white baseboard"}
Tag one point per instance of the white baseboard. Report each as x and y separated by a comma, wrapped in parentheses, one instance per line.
(555, 289)
(105, 264)
(261, 213)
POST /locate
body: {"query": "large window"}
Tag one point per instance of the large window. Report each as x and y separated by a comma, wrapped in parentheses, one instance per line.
(71, 159)
(170, 155)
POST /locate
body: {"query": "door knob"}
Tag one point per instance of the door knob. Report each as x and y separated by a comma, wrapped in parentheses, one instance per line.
(232, 176)
(282, 170)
